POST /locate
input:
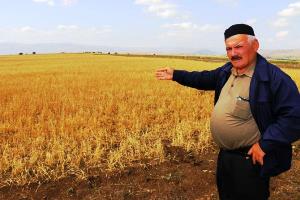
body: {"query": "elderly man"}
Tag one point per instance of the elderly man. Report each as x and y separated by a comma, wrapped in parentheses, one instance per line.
(255, 119)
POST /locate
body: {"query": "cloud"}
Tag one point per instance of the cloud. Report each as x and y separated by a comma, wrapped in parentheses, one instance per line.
(159, 8)
(182, 26)
(229, 2)
(67, 27)
(282, 34)
(74, 29)
(187, 33)
(189, 26)
(251, 21)
(48, 2)
(292, 10)
(52, 2)
(287, 14)
(69, 2)
(26, 29)
(209, 28)
(59, 34)
(281, 22)
(285, 18)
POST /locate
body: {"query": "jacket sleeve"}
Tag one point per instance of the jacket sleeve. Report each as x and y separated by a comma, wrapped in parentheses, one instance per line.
(204, 80)
(286, 108)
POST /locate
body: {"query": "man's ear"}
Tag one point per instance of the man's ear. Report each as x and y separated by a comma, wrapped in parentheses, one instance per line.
(255, 44)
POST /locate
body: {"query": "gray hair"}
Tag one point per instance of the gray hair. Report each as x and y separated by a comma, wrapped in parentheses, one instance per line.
(251, 39)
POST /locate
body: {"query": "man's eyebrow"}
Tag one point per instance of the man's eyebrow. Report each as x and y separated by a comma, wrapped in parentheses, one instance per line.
(235, 45)
(240, 43)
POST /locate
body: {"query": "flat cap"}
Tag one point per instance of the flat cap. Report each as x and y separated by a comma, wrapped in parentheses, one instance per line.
(238, 29)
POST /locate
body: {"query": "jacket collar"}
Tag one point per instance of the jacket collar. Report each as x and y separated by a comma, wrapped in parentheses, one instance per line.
(261, 69)
(227, 68)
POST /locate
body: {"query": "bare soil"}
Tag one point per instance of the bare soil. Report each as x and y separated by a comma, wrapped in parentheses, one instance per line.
(183, 175)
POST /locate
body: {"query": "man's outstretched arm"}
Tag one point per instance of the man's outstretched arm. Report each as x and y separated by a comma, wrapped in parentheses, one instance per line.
(204, 80)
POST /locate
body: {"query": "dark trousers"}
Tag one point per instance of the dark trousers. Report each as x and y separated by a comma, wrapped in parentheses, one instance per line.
(238, 178)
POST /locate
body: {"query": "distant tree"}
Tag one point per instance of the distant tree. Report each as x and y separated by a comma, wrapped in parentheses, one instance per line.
(116, 53)
(34, 52)
(20, 53)
(108, 53)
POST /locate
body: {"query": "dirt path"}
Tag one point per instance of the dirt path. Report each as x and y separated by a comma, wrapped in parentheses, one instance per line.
(183, 176)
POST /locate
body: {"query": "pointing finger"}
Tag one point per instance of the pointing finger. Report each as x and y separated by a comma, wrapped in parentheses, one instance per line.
(250, 152)
(161, 70)
(159, 73)
(261, 160)
(253, 159)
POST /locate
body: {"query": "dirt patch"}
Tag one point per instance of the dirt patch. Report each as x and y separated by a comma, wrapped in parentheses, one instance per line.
(183, 176)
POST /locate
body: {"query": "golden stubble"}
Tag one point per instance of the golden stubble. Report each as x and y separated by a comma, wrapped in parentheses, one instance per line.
(69, 114)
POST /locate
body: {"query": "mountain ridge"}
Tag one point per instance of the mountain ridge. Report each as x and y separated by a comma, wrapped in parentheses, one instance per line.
(16, 48)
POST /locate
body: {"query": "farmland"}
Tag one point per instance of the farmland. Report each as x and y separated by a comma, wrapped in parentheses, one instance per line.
(70, 115)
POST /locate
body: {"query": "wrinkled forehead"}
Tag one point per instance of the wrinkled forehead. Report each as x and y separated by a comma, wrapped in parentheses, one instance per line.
(236, 39)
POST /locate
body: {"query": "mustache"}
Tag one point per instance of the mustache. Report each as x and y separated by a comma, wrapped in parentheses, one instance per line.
(236, 58)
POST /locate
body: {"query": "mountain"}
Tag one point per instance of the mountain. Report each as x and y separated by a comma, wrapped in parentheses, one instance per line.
(282, 54)
(207, 52)
(15, 48)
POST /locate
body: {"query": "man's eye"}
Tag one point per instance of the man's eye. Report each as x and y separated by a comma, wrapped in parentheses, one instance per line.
(237, 47)
(228, 49)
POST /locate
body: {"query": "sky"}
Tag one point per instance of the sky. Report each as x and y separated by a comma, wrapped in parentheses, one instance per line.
(181, 24)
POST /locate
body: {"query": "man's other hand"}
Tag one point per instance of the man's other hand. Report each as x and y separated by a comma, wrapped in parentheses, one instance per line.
(257, 154)
(164, 73)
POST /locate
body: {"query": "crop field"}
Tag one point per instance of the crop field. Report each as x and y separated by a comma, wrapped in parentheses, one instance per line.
(61, 114)
(69, 114)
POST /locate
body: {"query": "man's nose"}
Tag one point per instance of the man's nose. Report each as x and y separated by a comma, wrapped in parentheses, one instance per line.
(233, 52)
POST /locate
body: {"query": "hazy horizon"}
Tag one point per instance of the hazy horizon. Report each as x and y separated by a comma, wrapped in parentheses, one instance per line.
(45, 48)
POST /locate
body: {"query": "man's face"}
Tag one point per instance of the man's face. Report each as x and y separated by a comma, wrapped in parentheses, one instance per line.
(240, 51)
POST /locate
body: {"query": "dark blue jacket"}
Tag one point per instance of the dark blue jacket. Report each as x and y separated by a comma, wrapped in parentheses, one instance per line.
(274, 103)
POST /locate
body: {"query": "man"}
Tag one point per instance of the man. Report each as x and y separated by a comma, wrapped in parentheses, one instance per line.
(255, 119)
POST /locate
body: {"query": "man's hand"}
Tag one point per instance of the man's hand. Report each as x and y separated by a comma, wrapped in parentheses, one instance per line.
(164, 73)
(257, 154)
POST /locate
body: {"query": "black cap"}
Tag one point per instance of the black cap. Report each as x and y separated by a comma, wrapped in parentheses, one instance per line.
(238, 29)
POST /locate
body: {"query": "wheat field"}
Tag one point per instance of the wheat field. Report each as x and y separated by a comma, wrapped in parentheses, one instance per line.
(66, 114)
